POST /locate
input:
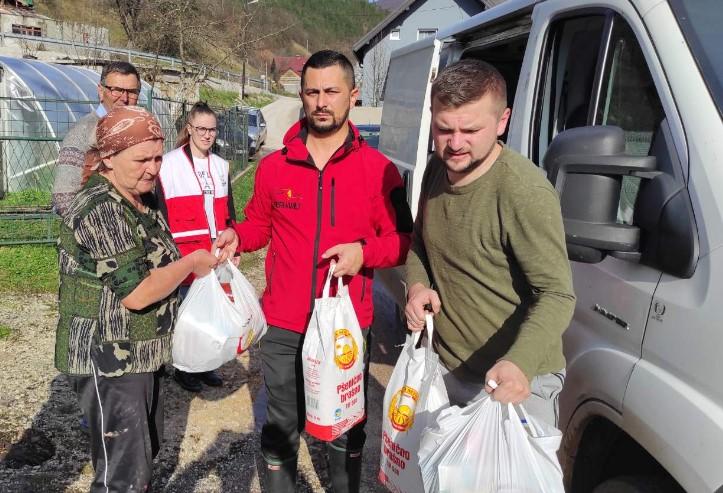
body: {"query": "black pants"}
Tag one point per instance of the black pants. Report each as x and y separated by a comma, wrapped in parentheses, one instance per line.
(125, 420)
(286, 409)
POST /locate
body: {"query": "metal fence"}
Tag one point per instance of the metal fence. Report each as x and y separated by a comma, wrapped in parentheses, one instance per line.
(31, 132)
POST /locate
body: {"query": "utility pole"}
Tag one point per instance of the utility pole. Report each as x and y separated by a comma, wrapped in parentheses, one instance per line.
(243, 67)
(243, 80)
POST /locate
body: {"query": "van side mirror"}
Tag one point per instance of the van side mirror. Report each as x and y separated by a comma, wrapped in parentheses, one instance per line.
(586, 165)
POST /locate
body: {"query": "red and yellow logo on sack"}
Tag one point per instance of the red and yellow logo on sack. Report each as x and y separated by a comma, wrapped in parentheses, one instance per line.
(345, 349)
(248, 339)
(401, 409)
(245, 342)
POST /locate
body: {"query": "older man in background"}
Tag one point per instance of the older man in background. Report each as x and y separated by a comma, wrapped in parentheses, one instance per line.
(120, 85)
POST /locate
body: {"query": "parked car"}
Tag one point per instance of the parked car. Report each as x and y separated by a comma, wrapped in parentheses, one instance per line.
(620, 104)
(257, 130)
(370, 133)
(229, 140)
(230, 137)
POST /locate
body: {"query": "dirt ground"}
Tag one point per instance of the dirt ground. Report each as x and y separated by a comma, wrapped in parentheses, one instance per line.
(211, 439)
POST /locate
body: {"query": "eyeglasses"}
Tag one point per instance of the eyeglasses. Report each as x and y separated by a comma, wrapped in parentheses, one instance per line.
(117, 92)
(204, 130)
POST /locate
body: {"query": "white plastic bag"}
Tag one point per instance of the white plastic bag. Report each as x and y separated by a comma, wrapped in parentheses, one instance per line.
(415, 395)
(244, 297)
(487, 447)
(333, 363)
(210, 327)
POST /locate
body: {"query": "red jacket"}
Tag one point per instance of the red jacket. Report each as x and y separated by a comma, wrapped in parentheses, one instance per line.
(303, 212)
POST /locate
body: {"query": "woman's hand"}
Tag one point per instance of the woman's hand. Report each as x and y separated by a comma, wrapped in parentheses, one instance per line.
(203, 262)
(227, 242)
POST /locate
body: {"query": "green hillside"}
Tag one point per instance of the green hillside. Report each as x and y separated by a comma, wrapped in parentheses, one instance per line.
(224, 31)
(330, 23)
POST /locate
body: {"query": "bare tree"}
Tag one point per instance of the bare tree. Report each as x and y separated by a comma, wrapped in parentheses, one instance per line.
(377, 63)
(205, 36)
(129, 12)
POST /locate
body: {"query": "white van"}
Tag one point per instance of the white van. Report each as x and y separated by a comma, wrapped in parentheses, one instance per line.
(620, 103)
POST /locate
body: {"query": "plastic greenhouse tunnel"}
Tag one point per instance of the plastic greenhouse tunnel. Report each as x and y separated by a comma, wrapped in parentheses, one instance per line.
(39, 102)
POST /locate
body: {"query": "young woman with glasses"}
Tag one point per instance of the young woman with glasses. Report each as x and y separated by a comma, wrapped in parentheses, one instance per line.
(195, 194)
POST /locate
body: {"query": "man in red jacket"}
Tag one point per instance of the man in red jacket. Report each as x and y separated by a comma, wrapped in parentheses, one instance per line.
(326, 195)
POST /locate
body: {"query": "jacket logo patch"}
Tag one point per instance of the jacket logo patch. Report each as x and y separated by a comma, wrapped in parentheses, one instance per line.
(286, 198)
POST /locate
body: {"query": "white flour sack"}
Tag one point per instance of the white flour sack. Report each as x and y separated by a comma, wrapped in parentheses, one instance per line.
(333, 362)
(414, 397)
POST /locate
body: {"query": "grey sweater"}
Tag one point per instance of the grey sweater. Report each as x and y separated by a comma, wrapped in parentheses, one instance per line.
(495, 252)
(79, 139)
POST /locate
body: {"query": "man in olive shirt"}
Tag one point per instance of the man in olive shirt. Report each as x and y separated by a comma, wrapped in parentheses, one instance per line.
(488, 252)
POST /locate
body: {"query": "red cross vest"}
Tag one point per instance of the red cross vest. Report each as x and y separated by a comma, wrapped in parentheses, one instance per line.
(184, 198)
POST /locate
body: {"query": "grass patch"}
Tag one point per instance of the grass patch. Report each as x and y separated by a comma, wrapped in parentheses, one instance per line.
(218, 97)
(29, 269)
(31, 197)
(258, 100)
(4, 332)
(24, 216)
(23, 230)
(242, 190)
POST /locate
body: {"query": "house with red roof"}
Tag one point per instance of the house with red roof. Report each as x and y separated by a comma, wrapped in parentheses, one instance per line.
(286, 70)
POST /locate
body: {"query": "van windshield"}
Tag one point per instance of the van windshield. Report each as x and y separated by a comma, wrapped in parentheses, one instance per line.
(700, 21)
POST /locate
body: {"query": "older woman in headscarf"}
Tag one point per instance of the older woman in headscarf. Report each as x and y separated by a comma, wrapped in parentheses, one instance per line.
(119, 273)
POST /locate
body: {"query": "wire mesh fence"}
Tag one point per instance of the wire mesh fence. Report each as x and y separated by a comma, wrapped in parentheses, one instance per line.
(31, 133)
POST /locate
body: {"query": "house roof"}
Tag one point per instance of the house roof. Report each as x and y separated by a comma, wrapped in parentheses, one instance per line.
(404, 5)
(293, 63)
(290, 74)
(359, 45)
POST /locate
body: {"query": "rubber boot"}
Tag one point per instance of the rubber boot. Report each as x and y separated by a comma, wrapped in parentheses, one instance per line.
(279, 477)
(344, 469)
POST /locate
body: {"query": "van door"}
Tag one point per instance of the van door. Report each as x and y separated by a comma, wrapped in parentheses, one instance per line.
(594, 70)
(404, 136)
(407, 117)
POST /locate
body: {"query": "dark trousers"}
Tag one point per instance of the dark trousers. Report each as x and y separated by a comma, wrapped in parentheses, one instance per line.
(125, 420)
(286, 410)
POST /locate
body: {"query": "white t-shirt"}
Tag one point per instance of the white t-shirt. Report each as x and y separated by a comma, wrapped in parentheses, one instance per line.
(201, 167)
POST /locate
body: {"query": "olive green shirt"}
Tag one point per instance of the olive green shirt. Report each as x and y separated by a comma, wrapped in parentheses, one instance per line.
(494, 250)
(106, 249)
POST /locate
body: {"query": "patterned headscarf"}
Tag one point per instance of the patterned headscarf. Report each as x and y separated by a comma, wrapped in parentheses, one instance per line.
(121, 128)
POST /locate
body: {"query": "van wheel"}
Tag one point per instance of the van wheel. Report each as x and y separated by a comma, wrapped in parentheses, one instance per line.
(637, 484)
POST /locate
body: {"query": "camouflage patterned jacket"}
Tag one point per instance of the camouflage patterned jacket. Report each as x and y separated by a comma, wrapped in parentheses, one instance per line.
(106, 248)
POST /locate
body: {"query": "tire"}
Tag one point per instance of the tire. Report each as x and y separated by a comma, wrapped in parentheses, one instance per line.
(638, 484)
